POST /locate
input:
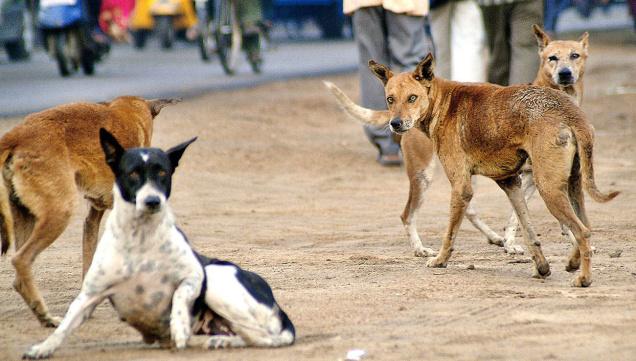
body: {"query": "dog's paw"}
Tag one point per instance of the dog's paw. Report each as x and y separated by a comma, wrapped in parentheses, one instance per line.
(511, 247)
(436, 263)
(224, 341)
(496, 240)
(424, 252)
(38, 351)
(580, 281)
(541, 271)
(50, 321)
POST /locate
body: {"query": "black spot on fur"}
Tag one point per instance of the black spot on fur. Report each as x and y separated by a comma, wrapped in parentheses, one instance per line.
(139, 289)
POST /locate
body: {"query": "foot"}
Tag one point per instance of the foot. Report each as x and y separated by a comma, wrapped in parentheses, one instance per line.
(50, 321)
(541, 271)
(497, 241)
(511, 247)
(38, 351)
(390, 160)
(436, 262)
(422, 251)
(573, 265)
(580, 281)
(224, 341)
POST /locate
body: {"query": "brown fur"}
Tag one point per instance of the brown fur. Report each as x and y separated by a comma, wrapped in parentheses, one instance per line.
(46, 160)
(491, 130)
(418, 165)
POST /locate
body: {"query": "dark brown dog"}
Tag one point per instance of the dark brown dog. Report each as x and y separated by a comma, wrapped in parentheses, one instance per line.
(45, 161)
(492, 131)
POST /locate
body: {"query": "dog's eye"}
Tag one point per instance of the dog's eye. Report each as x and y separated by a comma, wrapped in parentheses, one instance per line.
(412, 98)
(162, 173)
(389, 100)
(553, 58)
(134, 175)
(574, 56)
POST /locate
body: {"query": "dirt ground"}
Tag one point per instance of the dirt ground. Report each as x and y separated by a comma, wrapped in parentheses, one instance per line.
(283, 184)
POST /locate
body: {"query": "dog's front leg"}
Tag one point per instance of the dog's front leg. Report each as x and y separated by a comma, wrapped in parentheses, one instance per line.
(77, 313)
(182, 301)
(461, 195)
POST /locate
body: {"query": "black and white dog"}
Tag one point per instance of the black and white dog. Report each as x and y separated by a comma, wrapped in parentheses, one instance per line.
(155, 281)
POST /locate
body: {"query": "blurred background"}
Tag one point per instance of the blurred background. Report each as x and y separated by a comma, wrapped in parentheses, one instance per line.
(56, 51)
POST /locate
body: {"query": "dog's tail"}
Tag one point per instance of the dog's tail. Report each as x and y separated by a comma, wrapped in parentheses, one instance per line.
(585, 144)
(364, 115)
(6, 217)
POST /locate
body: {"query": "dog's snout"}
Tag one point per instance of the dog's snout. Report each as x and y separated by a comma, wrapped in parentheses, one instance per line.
(565, 74)
(152, 202)
(396, 123)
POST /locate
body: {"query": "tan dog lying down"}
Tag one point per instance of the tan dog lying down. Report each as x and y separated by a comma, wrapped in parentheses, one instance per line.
(491, 130)
(45, 161)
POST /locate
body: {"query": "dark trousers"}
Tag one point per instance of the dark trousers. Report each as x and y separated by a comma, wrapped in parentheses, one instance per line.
(511, 42)
(396, 40)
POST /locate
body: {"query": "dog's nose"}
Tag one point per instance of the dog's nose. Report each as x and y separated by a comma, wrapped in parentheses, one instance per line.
(565, 74)
(396, 123)
(152, 202)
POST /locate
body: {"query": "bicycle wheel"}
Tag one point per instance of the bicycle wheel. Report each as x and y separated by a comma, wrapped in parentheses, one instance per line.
(205, 40)
(228, 35)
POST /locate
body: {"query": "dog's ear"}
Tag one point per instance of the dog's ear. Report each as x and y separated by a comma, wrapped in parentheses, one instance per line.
(176, 152)
(155, 105)
(113, 151)
(381, 71)
(424, 70)
(584, 40)
(542, 38)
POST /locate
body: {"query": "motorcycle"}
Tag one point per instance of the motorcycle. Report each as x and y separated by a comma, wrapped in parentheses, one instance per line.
(67, 37)
(166, 17)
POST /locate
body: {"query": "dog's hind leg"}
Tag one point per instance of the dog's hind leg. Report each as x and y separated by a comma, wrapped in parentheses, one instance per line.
(492, 236)
(51, 207)
(419, 183)
(512, 187)
(555, 174)
(575, 193)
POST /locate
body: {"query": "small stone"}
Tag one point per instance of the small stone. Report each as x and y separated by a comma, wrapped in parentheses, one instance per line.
(617, 253)
(471, 267)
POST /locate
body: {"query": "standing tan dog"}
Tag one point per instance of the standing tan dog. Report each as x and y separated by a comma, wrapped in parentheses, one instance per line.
(562, 67)
(45, 161)
(492, 131)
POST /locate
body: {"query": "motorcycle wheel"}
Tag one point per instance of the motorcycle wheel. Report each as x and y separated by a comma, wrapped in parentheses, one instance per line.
(165, 30)
(139, 38)
(56, 45)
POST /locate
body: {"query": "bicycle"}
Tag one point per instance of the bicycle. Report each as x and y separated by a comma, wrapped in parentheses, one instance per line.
(222, 34)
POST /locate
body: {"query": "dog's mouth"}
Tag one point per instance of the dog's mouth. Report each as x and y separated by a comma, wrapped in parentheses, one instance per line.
(399, 130)
(567, 81)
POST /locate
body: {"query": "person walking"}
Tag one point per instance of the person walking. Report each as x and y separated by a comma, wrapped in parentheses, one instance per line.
(391, 32)
(458, 35)
(511, 43)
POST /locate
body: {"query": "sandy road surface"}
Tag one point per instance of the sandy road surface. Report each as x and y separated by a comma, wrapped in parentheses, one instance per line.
(282, 183)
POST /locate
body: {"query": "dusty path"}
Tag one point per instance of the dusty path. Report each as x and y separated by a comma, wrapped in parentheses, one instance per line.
(283, 184)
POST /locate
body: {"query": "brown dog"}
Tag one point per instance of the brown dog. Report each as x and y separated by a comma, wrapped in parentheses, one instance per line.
(45, 161)
(492, 131)
(417, 149)
(562, 68)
